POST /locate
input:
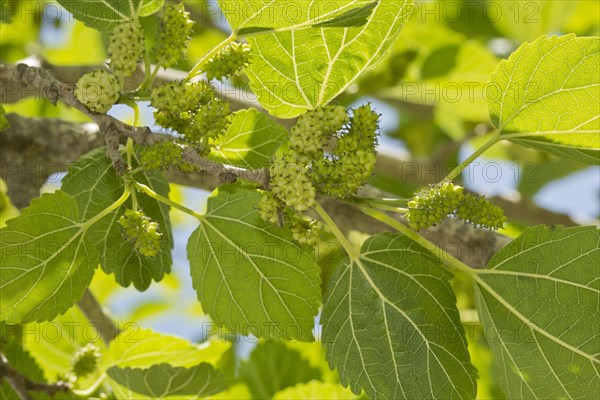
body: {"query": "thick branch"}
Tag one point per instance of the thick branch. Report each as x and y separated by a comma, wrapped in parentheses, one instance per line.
(94, 313)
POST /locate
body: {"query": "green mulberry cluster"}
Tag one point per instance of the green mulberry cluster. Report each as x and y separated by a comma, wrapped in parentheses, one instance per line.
(433, 206)
(430, 207)
(481, 212)
(315, 128)
(305, 169)
(142, 232)
(174, 34)
(290, 182)
(193, 110)
(228, 62)
(85, 360)
(162, 156)
(362, 134)
(210, 120)
(353, 160)
(126, 48)
(98, 90)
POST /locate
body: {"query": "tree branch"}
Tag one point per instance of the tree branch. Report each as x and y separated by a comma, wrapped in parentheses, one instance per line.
(95, 313)
(21, 384)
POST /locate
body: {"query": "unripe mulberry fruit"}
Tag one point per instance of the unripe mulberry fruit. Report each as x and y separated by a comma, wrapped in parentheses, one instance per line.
(177, 102)
(290, 182)
(362, 134)
(270, 209)
(305, 230)
(209, 121)
(314, 129)
(179, 97)
(228, 62)
(85, 360)
(126, 48)
(98, 90)
(160, 156)
(142, 232)
(481, 212)
(432, 206)
(174, 33)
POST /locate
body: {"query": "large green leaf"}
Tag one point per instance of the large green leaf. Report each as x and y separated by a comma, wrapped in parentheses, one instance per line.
(163, 381)
(274, 366)
(142, 348)
(47, 260)
(251, 140)
(249, 275)
(391, 326)
(546, 96)
(538, 303)
(307, 52)
(93, 183)
(138, 355)
(103, 14)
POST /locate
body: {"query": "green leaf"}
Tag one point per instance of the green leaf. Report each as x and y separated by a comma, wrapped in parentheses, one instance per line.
(391, 326)
(296, 66)
(149, 7)
(546, 96)
(251, 140)
(163, 380)
(249, 275)
(47, 260)
(538, 302)
(103, 14)
(142, 348)
(356, 17)
(93, 183)
(273, 366)
(315, 390)
(526, 21)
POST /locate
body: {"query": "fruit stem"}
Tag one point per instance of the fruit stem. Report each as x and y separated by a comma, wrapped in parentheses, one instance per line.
(352, 252)
(164, 200)
(447, 260)
(459, 169)
(126, 193)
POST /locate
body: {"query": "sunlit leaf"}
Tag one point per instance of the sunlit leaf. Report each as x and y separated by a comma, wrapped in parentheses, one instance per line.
(299, 66)
(251, 140)
(546, 96)
(47, 260)
(249, 275)
(538, 302)
(391, 326)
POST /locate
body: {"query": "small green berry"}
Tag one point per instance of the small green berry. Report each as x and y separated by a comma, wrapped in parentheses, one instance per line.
(228, 62)
(290, 182)
(269, 208)
(305, 230)
(98, 90)
(174, 34)
(126, 48)
(142, 232)
(160, 156)
(432, 206)
(210, 121)
(481, 212)
(177, 102)
(362, 134)
(85, 360)
(314, 129)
